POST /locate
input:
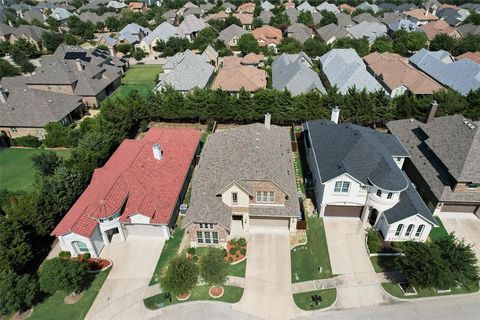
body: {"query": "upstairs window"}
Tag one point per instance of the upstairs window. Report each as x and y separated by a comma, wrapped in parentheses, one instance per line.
(342, 186)
(379, 193)
(265, 196)
(234, 198)
(390, 195)
(473, 186)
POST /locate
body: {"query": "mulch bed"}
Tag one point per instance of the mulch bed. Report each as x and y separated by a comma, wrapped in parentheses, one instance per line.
(237, 256)
(216, 292)
(183, 296)
(98, 264)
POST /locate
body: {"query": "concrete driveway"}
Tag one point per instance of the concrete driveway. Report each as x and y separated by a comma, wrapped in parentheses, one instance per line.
(134, 262)
(359, 285)
(466, 226)
(268, 288)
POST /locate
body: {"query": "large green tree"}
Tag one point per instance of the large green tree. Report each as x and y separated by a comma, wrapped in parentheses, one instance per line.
(315, 47)
(52, 40)
(248, 44)
(213, 267)
(15, 248)
(46, 162)
(62, 274)
(290, 45)
(181, 276)
(17, 292)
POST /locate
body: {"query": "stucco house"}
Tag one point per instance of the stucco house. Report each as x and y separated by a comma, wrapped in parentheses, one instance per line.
(444, 160)
(137, 192)
(245, 179)
(356, 172)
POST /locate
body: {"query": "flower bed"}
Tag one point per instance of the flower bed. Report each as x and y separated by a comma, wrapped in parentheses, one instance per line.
(98, 264)
(216, 292)
(183, 296)
(236, 250)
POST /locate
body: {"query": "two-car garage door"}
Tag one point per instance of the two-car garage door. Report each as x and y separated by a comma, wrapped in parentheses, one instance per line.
(343, 211)
(459, 208)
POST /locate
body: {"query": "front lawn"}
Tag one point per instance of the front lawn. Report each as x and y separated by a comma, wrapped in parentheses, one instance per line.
(54, 308)
(304, 300)
(170, 249)
(16, 167)
(438, 232)
(238, 270)
(311, 261)
(384, 263)
(394, 290)
(231, 295)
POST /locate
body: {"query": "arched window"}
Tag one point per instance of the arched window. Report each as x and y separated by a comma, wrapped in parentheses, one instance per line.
(80, 246)
(419, 230)
(409, 230)
(379, 192)
(399, 230)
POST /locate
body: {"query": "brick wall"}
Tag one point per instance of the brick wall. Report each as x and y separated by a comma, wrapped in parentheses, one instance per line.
(191, 234)
(267, 186)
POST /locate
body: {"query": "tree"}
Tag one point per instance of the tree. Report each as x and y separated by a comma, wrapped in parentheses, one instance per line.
(4, 48)
(360, 45)
(52, 40)
(138, 54)
(56, 135)
(15, 249)
(442, 41)
(231, 19)
(280, 21)
(315, 47)
(213, 267)
(46, 162)
(70, 39)
(181, 276)
(424, 267)
(306, 18)
(473, 18)
(416, 41)
(62, 274)
(248, 44)
(327, 18)
(7, 69)
(174, 45)
(382, 44)
(18, 292)
(471, 42)
(404, 41)
(257, 23)
(112, 24)
(124, 48)
(204, 38)
(290, 45)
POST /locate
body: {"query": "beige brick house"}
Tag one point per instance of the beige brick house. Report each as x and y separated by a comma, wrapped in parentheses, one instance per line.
(245, 179)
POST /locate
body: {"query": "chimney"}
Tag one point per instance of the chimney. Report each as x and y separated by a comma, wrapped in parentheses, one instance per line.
(268, 120)
(433, 110)
(157, 152)
(78, 64)
(335, 115)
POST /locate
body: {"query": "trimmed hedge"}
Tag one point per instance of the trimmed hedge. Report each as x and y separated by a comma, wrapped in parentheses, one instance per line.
(26, 141)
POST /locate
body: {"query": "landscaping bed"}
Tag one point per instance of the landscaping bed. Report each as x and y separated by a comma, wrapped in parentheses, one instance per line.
(231, 295)
(395, 290)
(236, 250)
(305, 300)
(311, 261)
(236, 268)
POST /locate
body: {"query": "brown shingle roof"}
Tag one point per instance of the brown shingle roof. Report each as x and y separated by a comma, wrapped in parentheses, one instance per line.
(234, 77)
(421, 15)
(474, 56)
(434, 28)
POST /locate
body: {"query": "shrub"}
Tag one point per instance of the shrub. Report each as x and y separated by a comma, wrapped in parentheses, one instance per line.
(191, 251)
(64, 254)
(243, 251)
(233, 251)
(242, 242)
(26, 141)
(195, 258)
(230, 259)
(213, 268)
(59, 274)
(181, 276)
(233, 242)
(86, 256)
(225, 253)
(372, 241)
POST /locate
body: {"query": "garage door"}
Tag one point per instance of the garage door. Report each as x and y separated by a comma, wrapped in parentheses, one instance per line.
(459, 208)
(269, 222)
(343, 211)
(145, 230)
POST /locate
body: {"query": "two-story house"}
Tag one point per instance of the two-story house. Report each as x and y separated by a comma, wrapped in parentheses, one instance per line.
(444, 160)
(245, 179)
(356, 173)
(137, 192)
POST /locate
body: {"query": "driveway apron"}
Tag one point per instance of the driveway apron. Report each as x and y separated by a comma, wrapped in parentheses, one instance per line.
(268, 289)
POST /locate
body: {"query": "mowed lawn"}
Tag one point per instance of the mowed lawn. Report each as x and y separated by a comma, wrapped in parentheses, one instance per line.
(16, 167)
(139, 77)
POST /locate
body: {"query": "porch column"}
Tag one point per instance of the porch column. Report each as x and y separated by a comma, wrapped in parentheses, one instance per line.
(121, 232)
(322, 210)
(365, 213)
(105, 238)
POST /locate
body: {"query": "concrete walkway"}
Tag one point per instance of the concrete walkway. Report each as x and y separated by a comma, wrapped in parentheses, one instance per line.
(268, 289)
(357, 283)
(134, 262)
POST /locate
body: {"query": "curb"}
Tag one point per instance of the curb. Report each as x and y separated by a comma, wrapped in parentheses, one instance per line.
(448, 296)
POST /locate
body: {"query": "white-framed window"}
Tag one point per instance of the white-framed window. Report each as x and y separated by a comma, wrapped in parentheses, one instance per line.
(473, 186)
(342, 186)
(206, 225)
(207, 236)
(399, 230)
(265, 196)
(419, 230)
(409, 230)
(234, 198)
(390, 195)
(14, 129)
(199, 236)
(82, 246)
(379, 193)
(215, 237)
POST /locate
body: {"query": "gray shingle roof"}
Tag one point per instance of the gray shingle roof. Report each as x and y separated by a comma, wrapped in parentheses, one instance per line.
(299, 32)
(363, 153)
(294, 72)
(365, 17)
(265, 16)
(404, 24)
(367, 6)
(390, 17)
(163, 31)
(191, 24)
(441, 149)
(331, 30)
(344, 20)
(463, 75)
(267, 6)
(305, 6)
(292, 14)
(60, 14)
(325, 6)
(32, 32)
(345, 69)
(410, 204)
(468, 28)
(231, 31)
(133, 33)
(242, 154)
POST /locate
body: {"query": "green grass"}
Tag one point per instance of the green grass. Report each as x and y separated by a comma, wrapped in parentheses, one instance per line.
(141, 78)
(54, 308)
(384, 264)
(16, 167)
(231, 295)
(170, 249)
(307, 259)
(238, 270)
(304, 300)
(395, 291)
(438, 232)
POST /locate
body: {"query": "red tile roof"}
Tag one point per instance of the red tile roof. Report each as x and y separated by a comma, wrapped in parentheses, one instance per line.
(133, 176)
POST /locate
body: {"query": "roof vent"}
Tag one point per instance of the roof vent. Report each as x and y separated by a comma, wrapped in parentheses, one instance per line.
(50, 100)
(471, 126)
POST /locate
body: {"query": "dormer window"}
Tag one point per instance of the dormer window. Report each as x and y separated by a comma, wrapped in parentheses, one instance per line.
(234, 198)
(265, 196)
(379, 193)
(390, 195)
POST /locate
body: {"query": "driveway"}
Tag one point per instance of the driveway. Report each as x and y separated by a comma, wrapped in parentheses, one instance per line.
(268, 288)
(358, 285)
(133, 264)
(466, 226)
